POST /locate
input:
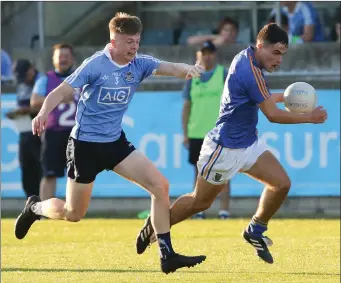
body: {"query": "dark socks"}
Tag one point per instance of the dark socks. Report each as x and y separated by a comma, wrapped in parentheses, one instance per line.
(256, 226)
(165, 245)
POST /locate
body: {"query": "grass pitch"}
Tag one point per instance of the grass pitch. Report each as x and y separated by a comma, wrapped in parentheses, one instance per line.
(103, 250)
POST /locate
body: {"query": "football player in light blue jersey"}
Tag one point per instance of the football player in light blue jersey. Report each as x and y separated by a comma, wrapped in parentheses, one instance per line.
(108, 80)
(233, 145)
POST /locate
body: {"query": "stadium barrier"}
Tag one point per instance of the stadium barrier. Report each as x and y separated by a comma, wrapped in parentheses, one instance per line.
(310, 153)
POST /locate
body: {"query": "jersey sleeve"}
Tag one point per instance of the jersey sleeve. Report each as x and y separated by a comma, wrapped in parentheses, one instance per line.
(256, 85)
(40, 86)
(148, 65)
(308, 14)
(82, 75)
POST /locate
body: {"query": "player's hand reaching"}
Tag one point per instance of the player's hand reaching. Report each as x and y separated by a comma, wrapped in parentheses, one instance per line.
(318, 115)
(39, 123)
(195, 71)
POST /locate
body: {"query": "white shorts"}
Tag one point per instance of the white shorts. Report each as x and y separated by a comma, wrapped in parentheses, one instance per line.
(218, 164)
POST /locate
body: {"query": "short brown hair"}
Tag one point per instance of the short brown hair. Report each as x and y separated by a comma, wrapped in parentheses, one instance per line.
(61, 46)
(124, 23)
(272, 34)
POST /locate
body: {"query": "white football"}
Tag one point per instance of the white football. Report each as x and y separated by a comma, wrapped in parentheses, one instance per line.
(300, 97)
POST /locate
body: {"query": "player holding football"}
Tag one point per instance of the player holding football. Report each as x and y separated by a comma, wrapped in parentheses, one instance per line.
(233, 145)
(108, 80)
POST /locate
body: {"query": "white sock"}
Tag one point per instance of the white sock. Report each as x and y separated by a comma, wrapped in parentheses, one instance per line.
(224, 212)
(36, 208)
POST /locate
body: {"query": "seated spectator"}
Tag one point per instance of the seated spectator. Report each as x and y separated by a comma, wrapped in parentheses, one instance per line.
(335, 34)
(6, 67)
(304, 20)
(227, 34)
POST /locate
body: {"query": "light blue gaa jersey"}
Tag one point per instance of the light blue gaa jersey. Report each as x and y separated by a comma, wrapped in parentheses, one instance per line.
(107, 91)
(245, 88)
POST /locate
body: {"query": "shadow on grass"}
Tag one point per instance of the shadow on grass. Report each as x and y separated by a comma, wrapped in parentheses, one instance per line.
(14, 269)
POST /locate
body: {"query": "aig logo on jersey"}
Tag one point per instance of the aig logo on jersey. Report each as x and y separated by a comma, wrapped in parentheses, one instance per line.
(113, 95)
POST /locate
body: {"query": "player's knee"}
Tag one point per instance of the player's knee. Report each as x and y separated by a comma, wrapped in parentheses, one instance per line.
(73, 216)
(160, 188)
(284, 185)
(201, 204)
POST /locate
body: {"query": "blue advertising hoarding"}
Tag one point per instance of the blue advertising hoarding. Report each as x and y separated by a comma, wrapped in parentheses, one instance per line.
(309, 153)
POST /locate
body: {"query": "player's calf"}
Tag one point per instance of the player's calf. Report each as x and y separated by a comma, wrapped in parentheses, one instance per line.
(271, 200)
(201, 204)
(187, 206)
(270, 172)
(200, 200)
(183, 208)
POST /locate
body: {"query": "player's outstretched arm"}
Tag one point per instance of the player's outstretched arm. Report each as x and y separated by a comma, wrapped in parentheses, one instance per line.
(276, 115)
(180, 70)
(56, 96)
(52, 100)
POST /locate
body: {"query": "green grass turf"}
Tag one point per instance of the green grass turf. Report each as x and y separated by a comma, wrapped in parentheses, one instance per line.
(103, 250)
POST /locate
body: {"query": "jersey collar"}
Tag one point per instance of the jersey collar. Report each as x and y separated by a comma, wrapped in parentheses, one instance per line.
(106, 51)
(297, 8)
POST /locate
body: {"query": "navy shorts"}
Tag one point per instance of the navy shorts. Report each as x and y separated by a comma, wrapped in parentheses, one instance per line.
(86, 159)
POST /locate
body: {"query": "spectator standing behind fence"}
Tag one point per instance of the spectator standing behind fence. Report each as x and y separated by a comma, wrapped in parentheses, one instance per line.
(29, 145)
(227, 34)
(6, 67)
(304, 21)
(60, 121)
(200, 112)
